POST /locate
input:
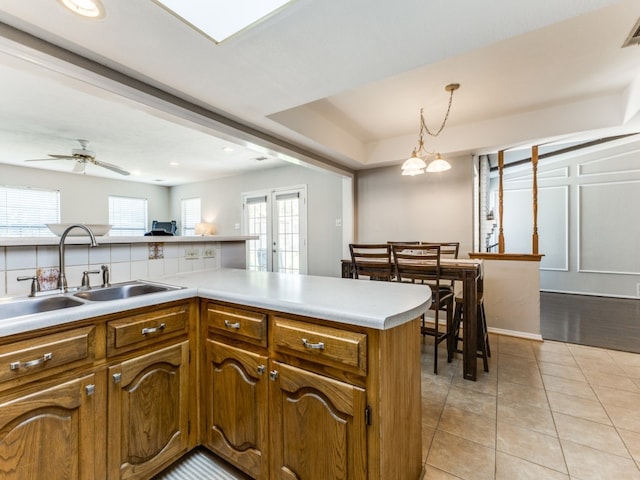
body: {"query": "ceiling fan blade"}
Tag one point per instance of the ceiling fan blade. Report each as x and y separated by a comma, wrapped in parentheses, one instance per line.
(111, 167)
(62, 157)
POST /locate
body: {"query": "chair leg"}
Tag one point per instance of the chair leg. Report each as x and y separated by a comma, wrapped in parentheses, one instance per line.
(449, 338)
(435, 343)
(455, 330)
(482, 338)
(486, 329)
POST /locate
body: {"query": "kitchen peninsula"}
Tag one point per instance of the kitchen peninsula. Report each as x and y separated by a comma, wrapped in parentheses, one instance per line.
(313, 376)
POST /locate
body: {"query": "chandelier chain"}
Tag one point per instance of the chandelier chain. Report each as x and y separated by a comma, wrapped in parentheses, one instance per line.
(444, 122)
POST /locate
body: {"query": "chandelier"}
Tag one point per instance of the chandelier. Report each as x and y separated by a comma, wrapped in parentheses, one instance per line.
(416, 165)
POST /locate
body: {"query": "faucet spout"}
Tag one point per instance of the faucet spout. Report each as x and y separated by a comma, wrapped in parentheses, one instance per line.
(62, 278)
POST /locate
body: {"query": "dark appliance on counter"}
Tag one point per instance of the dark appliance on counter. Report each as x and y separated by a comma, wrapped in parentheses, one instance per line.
(162, 229)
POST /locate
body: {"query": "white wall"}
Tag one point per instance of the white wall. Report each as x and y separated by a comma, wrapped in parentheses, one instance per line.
(84, 198)
(221, 205)
(436, 207)
(587, 219)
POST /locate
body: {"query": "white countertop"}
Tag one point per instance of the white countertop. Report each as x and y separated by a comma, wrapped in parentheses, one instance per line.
(107, 240)
(378, 305)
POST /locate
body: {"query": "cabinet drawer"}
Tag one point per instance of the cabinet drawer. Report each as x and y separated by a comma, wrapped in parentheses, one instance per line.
(321, 344)
(28, 357)
(137, 331)
(238, 323)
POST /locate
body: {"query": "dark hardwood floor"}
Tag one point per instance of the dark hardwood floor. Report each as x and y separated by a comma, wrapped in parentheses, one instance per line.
(588, 320)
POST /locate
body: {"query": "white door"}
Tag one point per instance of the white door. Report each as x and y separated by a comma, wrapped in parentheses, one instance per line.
(279, 218)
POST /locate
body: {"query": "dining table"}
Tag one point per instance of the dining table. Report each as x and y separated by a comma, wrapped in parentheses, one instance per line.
(470, 273)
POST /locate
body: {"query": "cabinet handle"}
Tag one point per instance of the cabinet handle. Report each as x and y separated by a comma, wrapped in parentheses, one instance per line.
(273, 375)
(116, 377)
(313, 346)
(31, 363)
(90, 389)
(148, 330)
(261, 369)
(228, 324)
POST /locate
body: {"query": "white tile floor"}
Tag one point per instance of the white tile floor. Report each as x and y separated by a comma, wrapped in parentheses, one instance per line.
(546, 410)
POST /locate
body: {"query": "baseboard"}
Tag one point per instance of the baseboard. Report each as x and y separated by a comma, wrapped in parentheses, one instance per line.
(497, 331)
(589, 294)
(515, 333)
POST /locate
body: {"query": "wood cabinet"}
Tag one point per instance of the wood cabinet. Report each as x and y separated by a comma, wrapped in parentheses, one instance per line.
(148, 414)
(106, 398)
(49, 434)
(317, 426)
(330, 405)
(235, 406)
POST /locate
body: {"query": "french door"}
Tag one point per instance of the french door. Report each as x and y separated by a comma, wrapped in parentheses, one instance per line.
(279, 218)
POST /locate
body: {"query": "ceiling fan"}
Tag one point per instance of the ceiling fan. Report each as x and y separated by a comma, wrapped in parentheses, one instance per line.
(82, 156)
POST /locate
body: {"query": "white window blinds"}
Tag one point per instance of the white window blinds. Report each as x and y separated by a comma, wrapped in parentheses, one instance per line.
(24, 211)
(190, 215)
(127, 216)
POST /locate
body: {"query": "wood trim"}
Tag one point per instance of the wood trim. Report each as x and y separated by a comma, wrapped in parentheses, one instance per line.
(521, 257)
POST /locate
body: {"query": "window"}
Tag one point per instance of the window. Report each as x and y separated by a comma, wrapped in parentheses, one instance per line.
(24, 212)
(127, 216)
(190, 215)
(279, 218)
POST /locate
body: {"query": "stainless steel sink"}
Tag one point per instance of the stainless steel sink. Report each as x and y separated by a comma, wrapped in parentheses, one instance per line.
(29, 306)
(124, 290)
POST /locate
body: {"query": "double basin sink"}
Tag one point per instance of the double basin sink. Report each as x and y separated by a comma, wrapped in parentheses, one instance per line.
(28, 306)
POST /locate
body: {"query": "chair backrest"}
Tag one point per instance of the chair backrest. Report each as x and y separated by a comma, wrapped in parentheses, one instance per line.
(403, 243)
(417, 263)
(447, 249)
(371, 260)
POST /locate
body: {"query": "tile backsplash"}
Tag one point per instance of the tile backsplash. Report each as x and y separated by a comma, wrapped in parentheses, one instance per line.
(126, 261)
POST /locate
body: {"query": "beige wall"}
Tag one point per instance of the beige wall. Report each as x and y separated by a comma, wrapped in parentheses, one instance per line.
(435, 207)
(84, 198)
(221, 203)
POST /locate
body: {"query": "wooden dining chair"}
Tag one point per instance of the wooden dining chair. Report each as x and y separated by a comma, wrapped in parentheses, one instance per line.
(371, 260)
(421, 264)
(447, 250)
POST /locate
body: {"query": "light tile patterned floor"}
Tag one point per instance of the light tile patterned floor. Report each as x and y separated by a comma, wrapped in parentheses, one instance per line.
(546, 410)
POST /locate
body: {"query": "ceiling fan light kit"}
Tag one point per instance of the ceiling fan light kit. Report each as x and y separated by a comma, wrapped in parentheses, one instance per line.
(415, 165)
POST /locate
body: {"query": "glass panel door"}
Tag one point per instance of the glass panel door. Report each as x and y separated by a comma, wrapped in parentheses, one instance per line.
(278, 218)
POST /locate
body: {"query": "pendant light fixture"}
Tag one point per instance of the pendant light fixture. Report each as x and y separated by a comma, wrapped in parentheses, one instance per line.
(416, 165)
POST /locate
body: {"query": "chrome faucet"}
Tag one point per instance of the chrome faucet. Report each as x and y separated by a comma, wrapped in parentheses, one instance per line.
(62, 278)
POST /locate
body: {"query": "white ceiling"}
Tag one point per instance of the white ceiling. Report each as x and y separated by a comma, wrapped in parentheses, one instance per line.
(342, 80)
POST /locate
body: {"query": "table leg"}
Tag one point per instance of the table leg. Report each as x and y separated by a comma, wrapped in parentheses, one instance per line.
(470, 325)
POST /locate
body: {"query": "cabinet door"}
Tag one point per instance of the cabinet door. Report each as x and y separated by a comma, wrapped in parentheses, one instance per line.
(236, 406)
(49, 434)
(318, 426)
(148, 417)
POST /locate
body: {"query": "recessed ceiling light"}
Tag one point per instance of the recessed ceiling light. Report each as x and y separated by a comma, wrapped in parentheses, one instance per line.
(174, 164)
(86, 8)
(223, 18)
(228, 149)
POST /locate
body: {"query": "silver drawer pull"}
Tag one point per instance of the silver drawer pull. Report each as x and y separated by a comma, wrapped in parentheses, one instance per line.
(31, 363)
(90, 389)
(159, 328)
(228, 324)
(313, 346)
